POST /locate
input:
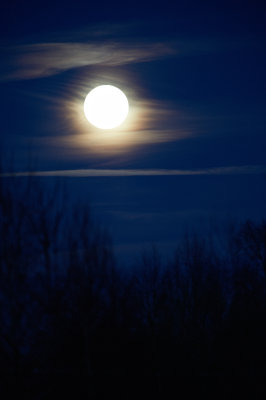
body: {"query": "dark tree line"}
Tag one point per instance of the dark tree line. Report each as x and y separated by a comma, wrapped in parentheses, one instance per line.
(69, 313)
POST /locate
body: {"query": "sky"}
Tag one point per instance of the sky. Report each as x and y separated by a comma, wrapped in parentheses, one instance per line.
(192, 151)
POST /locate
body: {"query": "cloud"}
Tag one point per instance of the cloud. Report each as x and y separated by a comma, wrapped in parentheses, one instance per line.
(108, 44)
(101, 45)
(38, 60)
(83, 173)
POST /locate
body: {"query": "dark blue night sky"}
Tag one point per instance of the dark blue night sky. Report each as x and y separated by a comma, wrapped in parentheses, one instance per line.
(194, 74)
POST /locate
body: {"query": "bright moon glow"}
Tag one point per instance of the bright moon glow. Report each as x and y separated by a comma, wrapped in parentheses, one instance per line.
(106, 107)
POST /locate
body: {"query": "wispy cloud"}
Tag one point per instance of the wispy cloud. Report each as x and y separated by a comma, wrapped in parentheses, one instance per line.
(29, 61)
(83, 173)
(101, 45)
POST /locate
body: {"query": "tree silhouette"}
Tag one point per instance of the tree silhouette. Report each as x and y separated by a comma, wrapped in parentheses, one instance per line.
(67, 309)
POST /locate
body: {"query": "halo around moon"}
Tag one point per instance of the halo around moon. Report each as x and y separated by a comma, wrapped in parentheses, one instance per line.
(106, 107)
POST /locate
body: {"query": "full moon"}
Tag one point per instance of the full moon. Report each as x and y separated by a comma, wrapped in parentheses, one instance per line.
(106, 107)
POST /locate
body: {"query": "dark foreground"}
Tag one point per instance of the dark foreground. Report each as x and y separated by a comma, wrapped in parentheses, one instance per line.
(74, 323)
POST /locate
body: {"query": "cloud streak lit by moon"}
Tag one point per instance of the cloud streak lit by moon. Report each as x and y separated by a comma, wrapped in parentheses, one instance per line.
(80, 173)
(99, 47)
(30, 61)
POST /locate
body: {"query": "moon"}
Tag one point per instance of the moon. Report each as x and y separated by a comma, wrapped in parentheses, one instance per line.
(106, 107)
